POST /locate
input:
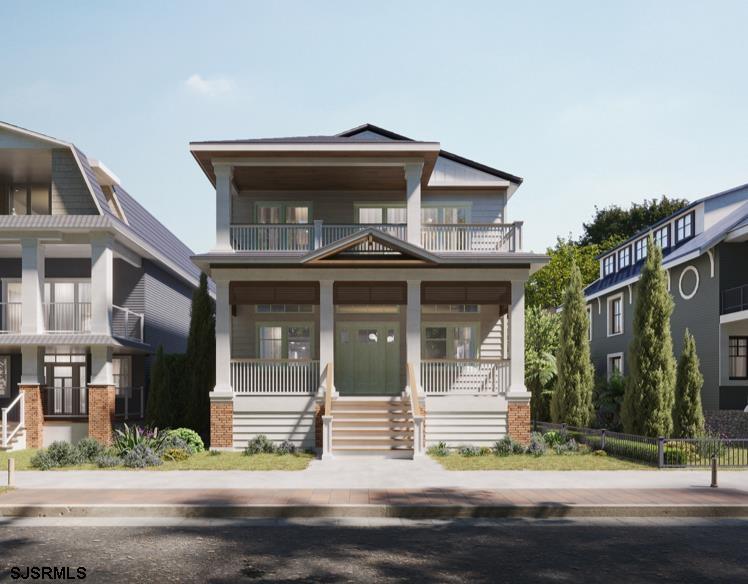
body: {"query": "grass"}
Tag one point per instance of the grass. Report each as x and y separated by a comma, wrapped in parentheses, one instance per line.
(5, 489)
(550, 461)
(199, 461)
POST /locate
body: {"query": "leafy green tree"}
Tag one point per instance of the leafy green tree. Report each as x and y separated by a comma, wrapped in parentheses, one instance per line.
(572, 399)
(649, 396)
(201, 360)
(607, 401)
(688, 417)
(541, 343)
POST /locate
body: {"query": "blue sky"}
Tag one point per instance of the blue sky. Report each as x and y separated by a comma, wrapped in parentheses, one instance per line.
(591, 102)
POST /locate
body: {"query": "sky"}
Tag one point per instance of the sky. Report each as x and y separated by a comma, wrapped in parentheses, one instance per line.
(592, 103)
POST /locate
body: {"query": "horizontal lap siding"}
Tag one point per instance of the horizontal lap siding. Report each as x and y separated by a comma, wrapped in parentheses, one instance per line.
(486, 206)
(278, 418)
(70, 195)
(129, 286)
(457, 428)
(167, 309)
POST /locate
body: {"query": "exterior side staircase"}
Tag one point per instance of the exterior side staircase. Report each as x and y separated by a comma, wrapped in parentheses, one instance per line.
(372, 426)
(18, 439)
(12, 433)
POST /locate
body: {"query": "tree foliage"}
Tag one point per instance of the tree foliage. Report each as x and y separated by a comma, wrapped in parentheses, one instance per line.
(167, 396)
(572, 398)
(688, 417)
(542, 328)
(649, 396)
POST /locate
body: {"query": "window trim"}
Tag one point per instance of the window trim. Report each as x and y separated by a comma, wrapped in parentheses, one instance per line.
(283, 206)
(610, 301)
(626, 248)
(589, 322)
(730, 357)
(284, 324)
(643, 248)
(608, 359)
(612, 258)
(692, 217)
(475, 325)
(379, 205)
(667, 229)
(467, 205)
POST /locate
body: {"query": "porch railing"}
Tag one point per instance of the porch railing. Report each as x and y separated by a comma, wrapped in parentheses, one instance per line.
(66, 402)
(272, 237)
(17, 405)
(282, 376)
(462, 376)
(735, 299)
(333, 233)
(127, 324)
(129, 402)
(67, 317)
(475, 237)
(10, 317)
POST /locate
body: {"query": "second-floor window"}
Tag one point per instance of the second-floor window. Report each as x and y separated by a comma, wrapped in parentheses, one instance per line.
(290, 213)
(25, 199)
(615, 315)
(662, 237)
(684, 227)
(449, 215)
(379, 214)
(609, 265)
(67, 306)
(624, 257)
(640, 249)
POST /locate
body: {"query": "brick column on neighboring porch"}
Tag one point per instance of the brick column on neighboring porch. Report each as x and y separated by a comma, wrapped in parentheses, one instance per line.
(33, 417)
(101, 412)
(518, 420)
(221, 421)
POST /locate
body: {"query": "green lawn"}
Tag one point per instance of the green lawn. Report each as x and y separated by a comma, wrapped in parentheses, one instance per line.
(200, 461)
(4, 489)
(548, 462)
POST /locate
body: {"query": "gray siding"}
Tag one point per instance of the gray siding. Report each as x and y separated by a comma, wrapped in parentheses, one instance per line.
(167, 309)
(70, 195)
(129, 286)
(733, 267)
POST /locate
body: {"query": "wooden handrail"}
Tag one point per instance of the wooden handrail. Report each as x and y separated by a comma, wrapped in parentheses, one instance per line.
(415, 405)
(328, 389)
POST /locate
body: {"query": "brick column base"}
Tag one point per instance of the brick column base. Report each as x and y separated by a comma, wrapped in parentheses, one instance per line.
(33, 418)
(518, 421)
(101, 412)
(222, 422)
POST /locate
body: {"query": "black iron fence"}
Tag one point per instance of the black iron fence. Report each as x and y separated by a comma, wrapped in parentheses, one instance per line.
(735, 299)
(662, 452)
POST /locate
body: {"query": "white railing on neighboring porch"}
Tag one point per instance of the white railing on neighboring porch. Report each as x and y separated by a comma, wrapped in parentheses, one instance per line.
(68, 317)
(465, 376)
(7, 435)
(282, 376)
(476, 237)
(272, 237)
(10, 315)
(126, 323)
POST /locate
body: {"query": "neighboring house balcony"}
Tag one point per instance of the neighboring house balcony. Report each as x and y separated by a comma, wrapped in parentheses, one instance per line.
(734, 299)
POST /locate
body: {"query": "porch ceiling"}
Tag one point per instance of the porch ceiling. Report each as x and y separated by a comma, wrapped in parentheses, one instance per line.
(297, 178)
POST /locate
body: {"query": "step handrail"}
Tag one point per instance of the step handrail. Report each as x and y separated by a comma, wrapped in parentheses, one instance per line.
(328, 389)
(21, 409)
(419, 438)
(414, 403)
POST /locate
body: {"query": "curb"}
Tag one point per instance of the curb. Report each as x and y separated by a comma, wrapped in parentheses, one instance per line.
(550, 511)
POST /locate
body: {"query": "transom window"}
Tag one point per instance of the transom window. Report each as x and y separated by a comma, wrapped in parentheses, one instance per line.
(738, 357)
(624, 257)
(450, 342)
(283, 308)
(450, 308)
(609, 265)
(640, 249)
(684, 227)
(662, 237)
(448, 214)
(615, 315)
(285, 341)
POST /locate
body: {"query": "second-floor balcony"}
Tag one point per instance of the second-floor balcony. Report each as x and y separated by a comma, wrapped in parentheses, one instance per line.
(453, 237)
(735, 299)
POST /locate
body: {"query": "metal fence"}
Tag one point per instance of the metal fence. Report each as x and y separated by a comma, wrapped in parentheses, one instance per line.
(662, 452)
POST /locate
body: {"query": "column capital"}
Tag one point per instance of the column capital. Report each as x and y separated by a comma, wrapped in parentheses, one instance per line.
(413, 170)
(223, 169)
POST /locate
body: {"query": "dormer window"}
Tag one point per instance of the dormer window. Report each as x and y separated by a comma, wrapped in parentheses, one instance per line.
(684, 227)
(25, 199)
(640, 249)
(609, 265)
(113, 203)
(624, 257)
(662, 237)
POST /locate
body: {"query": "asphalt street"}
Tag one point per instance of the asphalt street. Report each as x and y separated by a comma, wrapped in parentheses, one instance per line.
(538, 551)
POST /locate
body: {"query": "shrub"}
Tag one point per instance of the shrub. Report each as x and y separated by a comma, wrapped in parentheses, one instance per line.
(107, 461)
(89, 449)
(141, 456)
(554, 438)
(708, 446)
(190, 437)
(173, 442)
(43, 461)
(128, 437)
(569, 447)
(439, 449)
(507, 446)
(63, 453)
(286, 447)
(176, 454)
(537, 445)
(259, 445)
(469, 451)
(600, 453)
(674, 455)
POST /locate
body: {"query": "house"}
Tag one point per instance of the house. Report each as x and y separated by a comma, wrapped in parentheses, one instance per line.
(92, 284)
(370, 294)
(705, 253)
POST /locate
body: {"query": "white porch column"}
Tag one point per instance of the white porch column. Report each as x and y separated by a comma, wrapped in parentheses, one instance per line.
(32, 286)
(224, 179)
(517, 339)
(102, 284)
(413, 199)
(223, 339)
(32, 365)
(101, 365)
(326, 328)
(413, 328)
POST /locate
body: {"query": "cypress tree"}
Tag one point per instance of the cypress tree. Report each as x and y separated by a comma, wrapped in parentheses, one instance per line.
(649, 395)
(201, 360)
(572, 399)
(158, 392)
(688, 417)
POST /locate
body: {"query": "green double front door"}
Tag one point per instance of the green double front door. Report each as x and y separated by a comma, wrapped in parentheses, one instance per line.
(367, 358)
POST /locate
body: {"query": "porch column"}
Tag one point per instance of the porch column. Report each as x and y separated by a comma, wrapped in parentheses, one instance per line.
(518, 398)
(326, 328)
(102, 284)
(413, 199)
(101, 395)
(413, 328)
(222, 396)
(32, 286)
(32, 378)
(224, 179)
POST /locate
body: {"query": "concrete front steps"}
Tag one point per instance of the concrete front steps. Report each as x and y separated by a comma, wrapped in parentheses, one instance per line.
(366, 426)
(18, 442)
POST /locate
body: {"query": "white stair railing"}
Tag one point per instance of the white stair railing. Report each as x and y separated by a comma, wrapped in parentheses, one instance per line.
(19, 403)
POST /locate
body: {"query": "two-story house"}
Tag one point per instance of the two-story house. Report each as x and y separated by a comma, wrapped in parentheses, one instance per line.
(92, 284)
(370, 294)
(705, 253)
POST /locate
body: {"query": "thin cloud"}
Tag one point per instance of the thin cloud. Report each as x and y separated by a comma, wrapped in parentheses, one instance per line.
(216, 87)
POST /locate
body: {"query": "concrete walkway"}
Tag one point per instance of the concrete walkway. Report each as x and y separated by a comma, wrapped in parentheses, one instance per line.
(374, 473)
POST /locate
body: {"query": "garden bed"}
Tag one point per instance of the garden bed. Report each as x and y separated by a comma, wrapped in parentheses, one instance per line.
(588, 461)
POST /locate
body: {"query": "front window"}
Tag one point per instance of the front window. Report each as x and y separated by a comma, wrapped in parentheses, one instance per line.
(684, 227)
(615, 365)
(615, 308)
(662, 237)
(122, 374)
(624, 257)
(450, 342)
(640, 249)
(609, 265)
(292, 341)
(738, 357)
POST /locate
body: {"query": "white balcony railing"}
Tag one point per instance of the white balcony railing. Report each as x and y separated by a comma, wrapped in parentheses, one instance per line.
(68, 317)
(489, 237)
(10, 317)
(264, 237)
(127, 324)
(444, 377)
(282, 376)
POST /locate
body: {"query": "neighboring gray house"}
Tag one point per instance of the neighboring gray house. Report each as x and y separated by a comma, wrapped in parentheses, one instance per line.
(92, 284)
(705, 247)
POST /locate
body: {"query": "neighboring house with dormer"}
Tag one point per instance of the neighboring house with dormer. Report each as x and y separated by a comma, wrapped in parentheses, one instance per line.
(92, 284)
(370, 294)
(705, 253)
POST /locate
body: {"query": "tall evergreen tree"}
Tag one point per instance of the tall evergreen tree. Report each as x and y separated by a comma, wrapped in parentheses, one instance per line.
(201, 359)
(157, 408)
(649, 396)
(572, 399)
(688, 417)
